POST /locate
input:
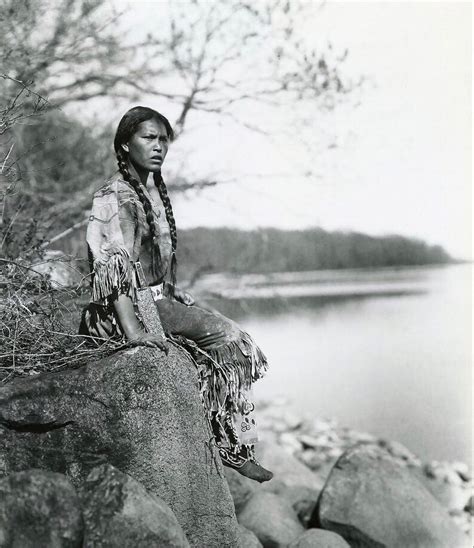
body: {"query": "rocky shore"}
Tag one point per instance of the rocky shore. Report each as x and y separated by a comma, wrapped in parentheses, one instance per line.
(117, 453)
(289, 440)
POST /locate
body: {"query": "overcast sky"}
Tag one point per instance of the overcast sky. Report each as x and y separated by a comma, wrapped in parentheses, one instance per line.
(400, 162)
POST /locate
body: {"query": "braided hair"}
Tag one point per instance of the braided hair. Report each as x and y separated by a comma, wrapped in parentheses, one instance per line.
(128, 125)
(160, 185)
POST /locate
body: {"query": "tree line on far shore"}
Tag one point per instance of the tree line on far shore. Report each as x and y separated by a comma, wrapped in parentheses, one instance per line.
(274, 250)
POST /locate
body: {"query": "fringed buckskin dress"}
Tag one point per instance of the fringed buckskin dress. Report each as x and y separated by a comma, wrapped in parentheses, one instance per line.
(227, 359)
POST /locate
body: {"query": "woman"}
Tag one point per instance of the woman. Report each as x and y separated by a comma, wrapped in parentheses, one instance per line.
(132, 224)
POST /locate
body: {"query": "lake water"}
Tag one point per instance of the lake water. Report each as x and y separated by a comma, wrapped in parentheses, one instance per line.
(386, 351)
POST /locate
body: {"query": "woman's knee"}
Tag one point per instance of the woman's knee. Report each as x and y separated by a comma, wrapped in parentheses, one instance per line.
(202, 326)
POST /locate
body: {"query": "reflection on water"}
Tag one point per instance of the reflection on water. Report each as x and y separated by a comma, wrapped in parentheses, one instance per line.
(391, 355)
(244, 310)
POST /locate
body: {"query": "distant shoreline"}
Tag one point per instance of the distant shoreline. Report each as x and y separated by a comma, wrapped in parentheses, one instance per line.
(329, 283)
(211, 250)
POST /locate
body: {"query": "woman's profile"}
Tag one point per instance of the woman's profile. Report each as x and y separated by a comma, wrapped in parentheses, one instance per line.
(132, 230)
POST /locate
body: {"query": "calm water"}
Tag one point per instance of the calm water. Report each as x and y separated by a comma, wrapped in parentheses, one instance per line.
(387, 351)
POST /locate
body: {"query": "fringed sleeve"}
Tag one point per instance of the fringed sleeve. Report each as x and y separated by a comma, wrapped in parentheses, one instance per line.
(114, 273)
(111, 241)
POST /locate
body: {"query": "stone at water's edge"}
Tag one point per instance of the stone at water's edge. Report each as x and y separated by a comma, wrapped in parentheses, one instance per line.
(119, 513)
(39, 508)
(241, 488)
(450, 496)
(292, 480)
(318, 538)
(373, 502)
(470, 505)
(271, 519)
(287, 468)
(139, 411)
(302, 499)
(248, 539)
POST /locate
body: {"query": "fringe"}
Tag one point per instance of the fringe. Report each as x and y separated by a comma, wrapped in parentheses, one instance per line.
(114, 273)
(225, 373)
(232, 368)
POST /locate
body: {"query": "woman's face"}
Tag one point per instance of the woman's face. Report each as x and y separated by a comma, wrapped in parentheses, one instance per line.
(148, 146)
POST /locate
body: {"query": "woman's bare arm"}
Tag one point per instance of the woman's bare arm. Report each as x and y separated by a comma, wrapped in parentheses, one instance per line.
(134, 332)
(126, 313)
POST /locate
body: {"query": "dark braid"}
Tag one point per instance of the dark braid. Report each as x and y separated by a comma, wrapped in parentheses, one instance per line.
(160, 185)
(155, 248)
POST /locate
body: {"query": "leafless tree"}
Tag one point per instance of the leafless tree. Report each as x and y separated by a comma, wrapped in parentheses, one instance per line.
(225, 53)
(71, 50)
(203, 56)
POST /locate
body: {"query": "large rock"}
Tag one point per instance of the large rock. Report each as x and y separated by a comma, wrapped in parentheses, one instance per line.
(452, 496)
(318, 538)
(241, 488)
(302, 499)
(247, 539)
(469, 508)
(372, 501)
(39, 509)
(286, 468)
(292, 480)
(272, 519)
(139, 411)
(119, 513)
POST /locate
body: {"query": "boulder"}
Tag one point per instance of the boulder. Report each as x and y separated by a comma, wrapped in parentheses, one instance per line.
(247, 539)
(292, 480)
(119, 513)
(60, 271)
(372, 501)
(447, 472)
(241, 488)
(302, 499)
(452, 496)
(271, 518)
(39, 509)
(138, 410)
(318, 538)
(470, 506)
(400, 452)
(287, 468)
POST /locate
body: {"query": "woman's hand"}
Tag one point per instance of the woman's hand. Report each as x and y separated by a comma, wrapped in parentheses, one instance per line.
(150, 340)
(183, 296)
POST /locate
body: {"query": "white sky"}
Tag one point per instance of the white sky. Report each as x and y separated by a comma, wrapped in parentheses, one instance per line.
(403, 158)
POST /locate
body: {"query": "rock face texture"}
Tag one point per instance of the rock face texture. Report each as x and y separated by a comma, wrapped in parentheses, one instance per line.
(373, 502)
(39, 508)
(139, 411)
(118, 511)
